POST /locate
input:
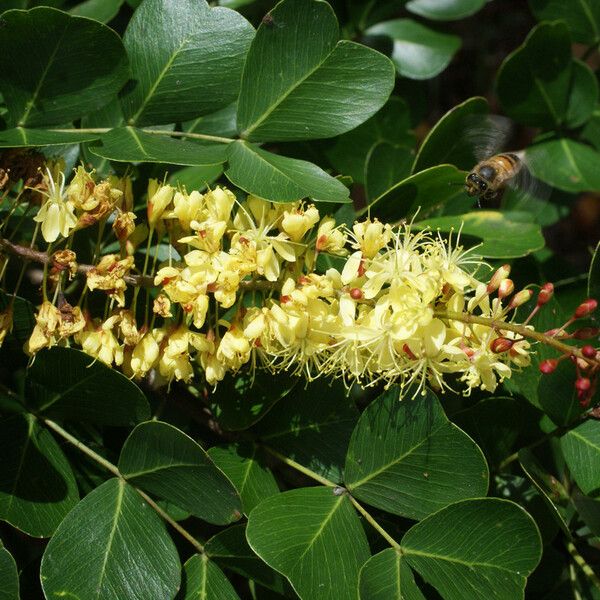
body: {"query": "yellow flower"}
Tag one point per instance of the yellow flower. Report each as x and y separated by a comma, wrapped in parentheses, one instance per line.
(175, 359)
(371, 236)
(108, 275)
(43, 335)
(330, 238)
(102, 343)
(145, 354)
(234, 349)
(57, 213)
(187, 208)
(5, 324)
(159, 198)
(297, 222)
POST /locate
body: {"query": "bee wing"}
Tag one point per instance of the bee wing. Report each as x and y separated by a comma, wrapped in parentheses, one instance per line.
(487, 134)
(526, 193)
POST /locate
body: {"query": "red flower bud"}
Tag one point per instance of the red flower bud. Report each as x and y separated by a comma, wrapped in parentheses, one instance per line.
(548, 366)
(356, 293)
(583, 384)
(585, 308)
(585, 333)
(546, 293)
(501, 344)
(506, 288)
(500, 275)
(588, 351)
(520, 298)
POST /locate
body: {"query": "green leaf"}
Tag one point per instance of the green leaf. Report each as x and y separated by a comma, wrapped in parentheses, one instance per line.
(348, 152)
(593, 288)
(486, 546)
(418, 52)
(203, 580)
(229, 548)
(111, 546)
(445, 10)
(447, 141)
(547, 485)
(242, 464)
(279, 178)
(312, 536)
(503, 235)
(196, 178)
(127, 144)
(582, 17)
(51, 77)
(23, 319)
(160, 459)
(565, 164)
(186, 60)
(101, 10)
(312, 425)
(294, 90)
(386, 165)
(37, 486)
(241, 400)
(533, 83)
(422, 192)
(221, 123)
(9, 577)
(408, 459)
(69, 384)
(557, 394)
(24, 138)
(581, 449)
(386, 576)
(495, 424)
(583, 96)
(589, 511)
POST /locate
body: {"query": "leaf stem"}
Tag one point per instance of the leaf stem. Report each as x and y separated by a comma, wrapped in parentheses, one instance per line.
(388, 538)
(115, 471)
(582, 564)
(188, 134)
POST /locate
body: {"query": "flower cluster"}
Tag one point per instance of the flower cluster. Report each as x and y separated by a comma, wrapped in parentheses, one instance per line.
(242, 284)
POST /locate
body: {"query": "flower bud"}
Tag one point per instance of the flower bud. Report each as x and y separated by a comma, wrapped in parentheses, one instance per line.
(356, 293)
(588, 351)
(582, 384)
(520, 298)
(158, 201)
(546, 293)
(548, 366)
(585, 333)
(500, 345)
(500, 275)
(506, 288)
(585, 308)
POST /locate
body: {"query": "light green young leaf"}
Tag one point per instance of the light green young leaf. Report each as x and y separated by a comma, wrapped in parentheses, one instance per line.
(300, 83)
(186, 60)
(111, 546)
(418, 52)
(163, 460)
(408, 459)
(312, 536)
(445, 10)
(52, 78)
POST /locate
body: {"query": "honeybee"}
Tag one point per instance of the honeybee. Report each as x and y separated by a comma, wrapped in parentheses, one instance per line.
(503, 177)
(489, 177)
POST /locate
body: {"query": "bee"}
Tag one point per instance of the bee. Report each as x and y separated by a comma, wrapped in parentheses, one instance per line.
(490, 176)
